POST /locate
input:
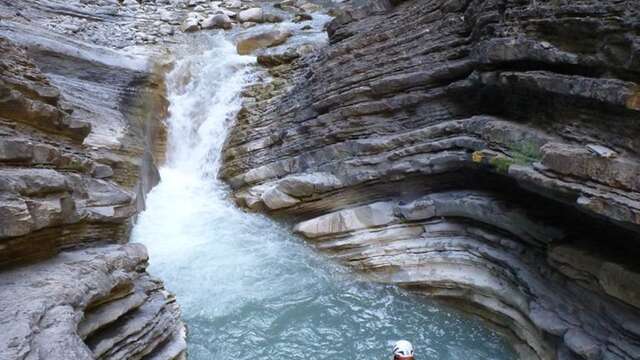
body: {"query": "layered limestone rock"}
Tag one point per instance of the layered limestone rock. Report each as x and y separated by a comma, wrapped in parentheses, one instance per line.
(56, 193)
(97, 303)
(80, 126)
(82, 106)
(60, 185)
(482, 152)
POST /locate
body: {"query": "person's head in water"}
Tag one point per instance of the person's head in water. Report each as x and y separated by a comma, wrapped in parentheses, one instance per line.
(403, 350)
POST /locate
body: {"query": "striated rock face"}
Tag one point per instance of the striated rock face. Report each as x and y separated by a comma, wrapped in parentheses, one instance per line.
(56, 190)
(97, 303)
(483, 152)
(82, 105)
(80, 131)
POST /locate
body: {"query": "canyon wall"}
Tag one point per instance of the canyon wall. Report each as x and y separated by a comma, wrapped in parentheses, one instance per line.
(78, 128)
(482, 152)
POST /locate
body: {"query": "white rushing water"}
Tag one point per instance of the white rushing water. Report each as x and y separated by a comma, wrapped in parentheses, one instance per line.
(247, 287)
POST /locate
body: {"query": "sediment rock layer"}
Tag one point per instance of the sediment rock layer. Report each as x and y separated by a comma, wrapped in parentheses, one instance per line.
(483, 152)
(73, 169)
(82, 106)
(79, 125)
(96, 303)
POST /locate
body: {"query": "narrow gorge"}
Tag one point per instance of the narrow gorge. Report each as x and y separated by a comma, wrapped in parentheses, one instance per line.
(318, 179)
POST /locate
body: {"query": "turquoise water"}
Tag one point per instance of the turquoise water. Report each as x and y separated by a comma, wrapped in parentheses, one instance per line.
(247, 287)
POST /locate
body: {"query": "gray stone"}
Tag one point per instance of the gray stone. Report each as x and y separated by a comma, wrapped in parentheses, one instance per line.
(267, 38)
(251, 15)
(601, 150)
(16, 219)
(218, 21)
(358, 218)
(45, 301)
(15, 150)
(257, 15)
(233, 4)
(582, 344)
(108, 313)
(276, 199)
(192, 22)
(102, 171)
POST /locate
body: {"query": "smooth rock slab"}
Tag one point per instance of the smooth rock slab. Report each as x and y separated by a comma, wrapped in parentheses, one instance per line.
(377, 214)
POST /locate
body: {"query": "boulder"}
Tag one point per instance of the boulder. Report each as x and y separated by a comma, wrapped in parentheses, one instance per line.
(272, 18)
(309, 6)
(362, 217)
(287, 5)
(251, 15)
(272, 60)
(229, 13)
(102, 171)
(265, 39)
(232, 4)
(190, 25)
(300, 17)
(276, 199)
(218, 21)
(248, 24)
(258, 15)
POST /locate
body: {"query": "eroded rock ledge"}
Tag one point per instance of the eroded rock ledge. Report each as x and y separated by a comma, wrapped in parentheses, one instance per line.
(484, 152)
(79, 125)
(73, 169)
(96, 303)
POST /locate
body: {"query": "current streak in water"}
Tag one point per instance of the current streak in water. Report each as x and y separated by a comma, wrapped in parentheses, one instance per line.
(249, 289)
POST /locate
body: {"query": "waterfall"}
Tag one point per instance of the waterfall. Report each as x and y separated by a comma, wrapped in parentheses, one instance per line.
(204, 90)
(247, 287)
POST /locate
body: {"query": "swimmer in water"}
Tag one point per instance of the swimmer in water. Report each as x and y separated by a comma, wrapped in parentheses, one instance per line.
(403, 350)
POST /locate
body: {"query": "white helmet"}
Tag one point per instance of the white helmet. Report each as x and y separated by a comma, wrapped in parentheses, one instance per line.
(403, 349)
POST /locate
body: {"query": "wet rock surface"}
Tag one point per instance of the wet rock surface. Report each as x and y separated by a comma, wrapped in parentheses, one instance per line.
(481, 152)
